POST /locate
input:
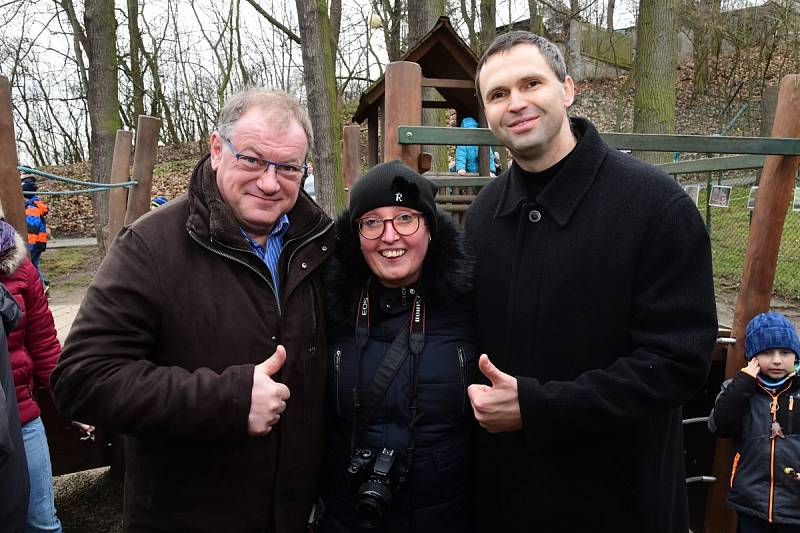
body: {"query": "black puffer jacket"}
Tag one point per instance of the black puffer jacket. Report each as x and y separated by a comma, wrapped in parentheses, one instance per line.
(436, 495)
(758, 485)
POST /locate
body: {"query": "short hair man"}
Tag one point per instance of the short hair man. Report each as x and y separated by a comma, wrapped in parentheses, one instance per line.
(200, 322)
(596, 307)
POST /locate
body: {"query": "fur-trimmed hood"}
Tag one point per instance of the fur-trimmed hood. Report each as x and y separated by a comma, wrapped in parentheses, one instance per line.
(12, 257)
(447, 272)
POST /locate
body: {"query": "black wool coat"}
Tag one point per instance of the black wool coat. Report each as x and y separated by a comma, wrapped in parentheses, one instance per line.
(436, 497)
(598, 297)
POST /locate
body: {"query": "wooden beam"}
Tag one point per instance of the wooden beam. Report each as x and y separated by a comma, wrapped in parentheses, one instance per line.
(10, 186)
(448, 83)
(120, 172)
(351, 157)
(437, 104)
(402, 105)
(709, 164)
(144, 160)
(412, 134)
(372, 136)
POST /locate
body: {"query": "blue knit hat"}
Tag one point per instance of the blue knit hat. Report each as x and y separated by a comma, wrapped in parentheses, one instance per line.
(768, 331)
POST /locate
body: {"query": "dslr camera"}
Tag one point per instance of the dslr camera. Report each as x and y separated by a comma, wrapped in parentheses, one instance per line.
(374, 484)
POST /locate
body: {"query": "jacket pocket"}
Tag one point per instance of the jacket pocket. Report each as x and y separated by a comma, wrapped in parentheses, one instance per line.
(734, 467)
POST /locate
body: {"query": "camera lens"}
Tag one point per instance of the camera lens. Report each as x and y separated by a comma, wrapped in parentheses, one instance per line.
(373, 500)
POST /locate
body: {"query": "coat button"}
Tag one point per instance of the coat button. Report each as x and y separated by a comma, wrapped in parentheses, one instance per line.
(303, 265)
(324, 248)
(534, 216)
(274, 338)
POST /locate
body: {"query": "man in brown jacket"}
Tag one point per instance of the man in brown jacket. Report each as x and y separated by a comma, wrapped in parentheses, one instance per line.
(201, 338)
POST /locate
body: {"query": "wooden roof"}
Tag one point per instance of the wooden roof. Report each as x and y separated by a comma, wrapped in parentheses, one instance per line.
(441, 54)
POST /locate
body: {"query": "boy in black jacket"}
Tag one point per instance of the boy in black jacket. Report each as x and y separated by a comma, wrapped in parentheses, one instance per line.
(757, 409)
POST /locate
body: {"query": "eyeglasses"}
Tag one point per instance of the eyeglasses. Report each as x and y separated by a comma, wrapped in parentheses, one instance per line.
(404, 224)
(249, 163)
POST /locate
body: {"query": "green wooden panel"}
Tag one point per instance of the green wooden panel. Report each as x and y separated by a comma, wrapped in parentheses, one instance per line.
(734, 162)
(622, 141)
(461, 181)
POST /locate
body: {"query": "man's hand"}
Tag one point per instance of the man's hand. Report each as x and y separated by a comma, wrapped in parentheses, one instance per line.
(268, 398)
(497, 407)
(461, 172)
(752, 367)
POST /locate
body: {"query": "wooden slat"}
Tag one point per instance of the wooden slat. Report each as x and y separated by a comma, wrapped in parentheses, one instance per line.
(622, 141)
(461, 181)
(734, 162)
(448, 83)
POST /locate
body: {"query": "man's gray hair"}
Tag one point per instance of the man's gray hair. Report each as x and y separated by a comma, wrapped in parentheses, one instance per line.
(505, 42)
(282, 108)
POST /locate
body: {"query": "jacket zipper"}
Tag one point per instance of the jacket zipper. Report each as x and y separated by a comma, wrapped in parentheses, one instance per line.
(771, 476)
(303, 243)
(237, 260)
(337, 361)
(735, 466)
(462, 365)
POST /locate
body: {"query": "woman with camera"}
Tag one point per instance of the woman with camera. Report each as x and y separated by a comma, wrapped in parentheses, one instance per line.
(401, 346)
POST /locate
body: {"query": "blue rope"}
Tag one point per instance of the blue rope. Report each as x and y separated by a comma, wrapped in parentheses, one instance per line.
(98, 186)
(64, 193)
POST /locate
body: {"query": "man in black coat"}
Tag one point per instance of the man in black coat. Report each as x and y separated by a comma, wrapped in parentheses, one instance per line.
(14, 483)
(596, 307)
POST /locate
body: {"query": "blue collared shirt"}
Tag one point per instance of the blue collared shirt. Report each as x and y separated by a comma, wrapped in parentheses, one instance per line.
(272, 251)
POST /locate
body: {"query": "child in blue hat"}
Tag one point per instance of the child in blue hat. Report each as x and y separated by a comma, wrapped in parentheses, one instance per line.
(757, 410)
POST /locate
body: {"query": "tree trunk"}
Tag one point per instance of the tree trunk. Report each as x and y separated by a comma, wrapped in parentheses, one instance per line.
(422, 15)
(137, 78)
(488, 23)
(610, 15)
(320, 80)
(103, 100)
(535, 18)
(655, 64)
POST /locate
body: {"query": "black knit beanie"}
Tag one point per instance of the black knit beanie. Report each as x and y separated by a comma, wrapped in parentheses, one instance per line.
(394, 184)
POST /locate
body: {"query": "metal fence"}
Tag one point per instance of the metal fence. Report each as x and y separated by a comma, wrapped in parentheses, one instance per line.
(726, 202)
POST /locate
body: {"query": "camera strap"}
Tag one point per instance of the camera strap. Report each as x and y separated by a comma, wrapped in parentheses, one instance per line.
(410, 339)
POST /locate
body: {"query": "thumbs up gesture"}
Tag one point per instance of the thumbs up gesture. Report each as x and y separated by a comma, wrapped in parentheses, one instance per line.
(268, 397)
(496, 407)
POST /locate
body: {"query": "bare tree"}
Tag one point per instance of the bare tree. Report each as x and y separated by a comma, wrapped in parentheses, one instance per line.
(320, 78)
(488, 23)
(654, 67)
(103, 100)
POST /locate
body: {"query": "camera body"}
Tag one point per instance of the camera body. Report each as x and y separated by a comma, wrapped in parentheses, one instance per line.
(374, 481)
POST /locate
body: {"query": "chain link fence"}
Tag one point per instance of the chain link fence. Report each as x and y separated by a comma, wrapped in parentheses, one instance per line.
(726, 201)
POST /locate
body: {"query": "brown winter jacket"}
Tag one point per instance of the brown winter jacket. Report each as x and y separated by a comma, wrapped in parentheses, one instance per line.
(163, 350)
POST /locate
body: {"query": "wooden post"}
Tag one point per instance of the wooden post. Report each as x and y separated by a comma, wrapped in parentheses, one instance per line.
(144, 159)
(761, 258)
(10, 186)
(402, 107)
(372, 136)
(351, 157)
(120, 172)
(484, 152)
